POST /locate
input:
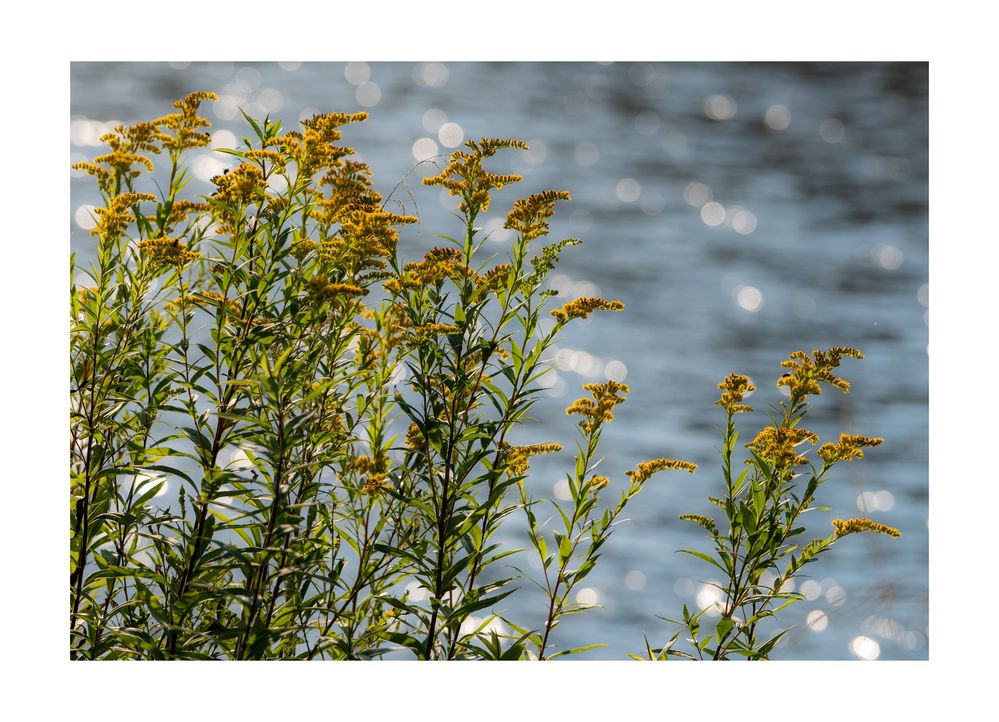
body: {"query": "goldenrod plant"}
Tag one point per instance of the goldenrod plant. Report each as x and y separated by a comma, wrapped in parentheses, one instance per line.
(758, 548)
(287, 442)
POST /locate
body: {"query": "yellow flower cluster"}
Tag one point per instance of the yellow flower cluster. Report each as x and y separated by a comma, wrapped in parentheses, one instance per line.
(428, 330)
(414, 438)
(648, 468)
(366, 466)
(116, 217)
(168, 251)
(321, 289)
(244, 184)
(315, 149)
(734, 388)
(350, 191)
(492, 280)
(376, 484)
(369, 238)
(518, 457)
(529, 216)
(851, 526)
(269, 156)
(847, 448)
(806, 373)
(301, 248)
(231, 305)
(437, 265)
(776, 446)
(600, 408)
(179, 212)
(599, 482)
(583, 306)
(125, 144)
(465, 178)
(185, 124)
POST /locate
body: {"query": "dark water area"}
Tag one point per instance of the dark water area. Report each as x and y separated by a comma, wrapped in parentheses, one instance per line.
(740, 211)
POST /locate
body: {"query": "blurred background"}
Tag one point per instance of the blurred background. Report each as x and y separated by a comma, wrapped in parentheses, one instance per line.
(740, 211)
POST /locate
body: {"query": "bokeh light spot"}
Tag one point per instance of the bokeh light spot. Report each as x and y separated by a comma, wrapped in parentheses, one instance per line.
(357, 73)
(713, 213)
(424, 148)
(720, 107)
(817, 620)
(450, 135)
(777, 118)
(865, 648)
(86, 218)
(586, 154)
(832, 130)
(635, 580)
(368, 95)
(628, 190)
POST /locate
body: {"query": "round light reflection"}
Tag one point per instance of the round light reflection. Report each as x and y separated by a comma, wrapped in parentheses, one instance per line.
(628, 190)
(424, 148)
(777, 118)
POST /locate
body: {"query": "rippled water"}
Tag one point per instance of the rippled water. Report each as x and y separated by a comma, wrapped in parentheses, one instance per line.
(740, 211)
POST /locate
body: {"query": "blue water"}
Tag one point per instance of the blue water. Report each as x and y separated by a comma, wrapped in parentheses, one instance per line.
(740, 211)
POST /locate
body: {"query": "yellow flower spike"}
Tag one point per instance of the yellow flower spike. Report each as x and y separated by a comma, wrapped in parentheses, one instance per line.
(851, 526)
(648, 468)
(583, 306)
(518, 457)
(847, 448)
